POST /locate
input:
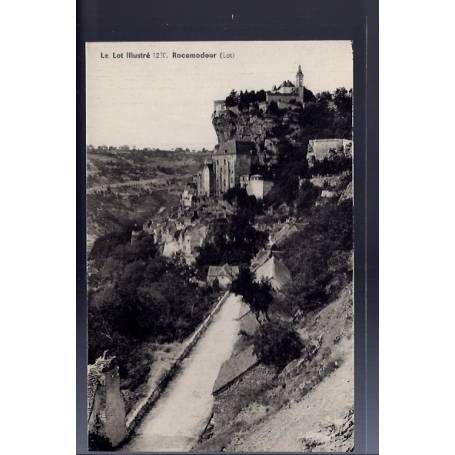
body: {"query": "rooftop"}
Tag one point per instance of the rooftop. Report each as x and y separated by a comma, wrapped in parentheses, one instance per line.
(230, 271)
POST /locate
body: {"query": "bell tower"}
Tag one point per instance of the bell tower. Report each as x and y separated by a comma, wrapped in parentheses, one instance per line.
(299, 84)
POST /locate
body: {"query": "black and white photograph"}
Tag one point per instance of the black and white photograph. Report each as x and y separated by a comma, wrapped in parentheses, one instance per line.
(219, 245)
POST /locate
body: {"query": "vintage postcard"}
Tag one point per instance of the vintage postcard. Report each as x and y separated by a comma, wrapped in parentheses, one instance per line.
(220, 250)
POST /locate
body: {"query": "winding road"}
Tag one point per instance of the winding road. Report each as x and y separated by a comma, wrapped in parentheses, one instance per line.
(181, 413)
(105, 186)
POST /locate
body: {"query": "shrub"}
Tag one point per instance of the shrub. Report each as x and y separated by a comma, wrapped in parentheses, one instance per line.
(137, 365)
(277, 343)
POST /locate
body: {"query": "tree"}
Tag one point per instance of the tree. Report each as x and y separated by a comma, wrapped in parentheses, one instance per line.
(277, 343)
(258, 296)
(273, 109)
(307, 196)
(235, 242)
(244, 284)
(231, 99)
(290, 167)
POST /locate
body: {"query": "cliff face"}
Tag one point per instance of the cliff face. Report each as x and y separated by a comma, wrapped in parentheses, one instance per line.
(244, 126)
(264, 129)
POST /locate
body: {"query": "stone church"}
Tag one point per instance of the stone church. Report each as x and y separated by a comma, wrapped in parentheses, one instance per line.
(287, 91)
(231, 159)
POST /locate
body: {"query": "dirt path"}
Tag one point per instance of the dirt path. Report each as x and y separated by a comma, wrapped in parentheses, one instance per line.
(181, 413)
(291, 429)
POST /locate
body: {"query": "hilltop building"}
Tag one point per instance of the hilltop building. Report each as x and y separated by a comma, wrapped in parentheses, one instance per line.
(219, 106)
(287, 91)
(231, 159)
(284, 95)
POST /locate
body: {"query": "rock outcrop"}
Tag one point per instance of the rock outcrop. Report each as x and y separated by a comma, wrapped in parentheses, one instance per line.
(264, 129)
(106, 408)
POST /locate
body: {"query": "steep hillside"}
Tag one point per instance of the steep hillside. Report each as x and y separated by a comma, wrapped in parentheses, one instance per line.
(325, 115)
(312, 398)
(108, 167)
(128, 187)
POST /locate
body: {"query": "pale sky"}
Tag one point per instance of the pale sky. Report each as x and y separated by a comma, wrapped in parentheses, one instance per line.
(168, 103)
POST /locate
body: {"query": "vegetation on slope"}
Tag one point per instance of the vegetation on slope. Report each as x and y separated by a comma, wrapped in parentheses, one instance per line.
(234, 242)
(107, 166)
(309, 333)
(138, 295)
(321, 265)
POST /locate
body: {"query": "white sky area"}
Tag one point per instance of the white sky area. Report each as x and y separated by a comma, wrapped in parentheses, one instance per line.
(168, 103)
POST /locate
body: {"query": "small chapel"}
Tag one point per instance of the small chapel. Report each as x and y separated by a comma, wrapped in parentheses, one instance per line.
(288, 91)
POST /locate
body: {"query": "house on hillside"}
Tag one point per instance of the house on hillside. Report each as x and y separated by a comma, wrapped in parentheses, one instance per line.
(255, 185)
(186, 199)
(280, 237)
(273, 270)
(319, 149)
(171, 245)
(225, 274)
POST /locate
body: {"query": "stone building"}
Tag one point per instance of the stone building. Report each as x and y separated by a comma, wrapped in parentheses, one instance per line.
(287, 91)
(186, 199)
(231, 160)
(205, 180)
(255, 185)
(318, 149)
(219, 106)
(275, 271)
(224, 274)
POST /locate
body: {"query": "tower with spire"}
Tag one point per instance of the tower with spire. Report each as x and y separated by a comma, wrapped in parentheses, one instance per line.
(299, 84)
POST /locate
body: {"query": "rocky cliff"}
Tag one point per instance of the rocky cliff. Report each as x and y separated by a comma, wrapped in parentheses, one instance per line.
(266, 130)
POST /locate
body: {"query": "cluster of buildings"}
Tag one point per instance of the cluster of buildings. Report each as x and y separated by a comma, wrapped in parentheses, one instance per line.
(181, 235)
(287, 93)
(230, 167)
(268, 264)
